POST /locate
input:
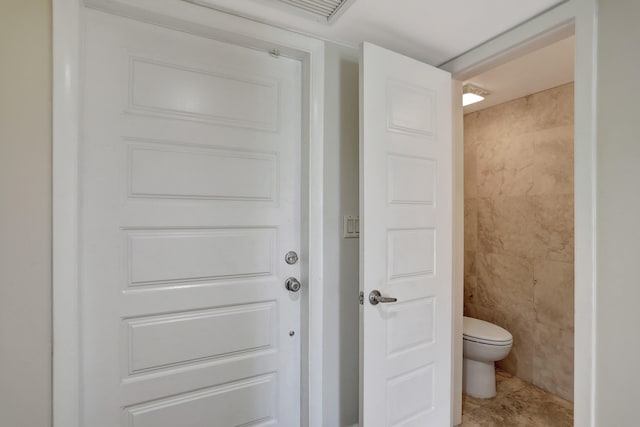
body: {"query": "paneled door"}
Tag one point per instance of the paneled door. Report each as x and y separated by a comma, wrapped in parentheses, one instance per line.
(190, 199)
(405, 241)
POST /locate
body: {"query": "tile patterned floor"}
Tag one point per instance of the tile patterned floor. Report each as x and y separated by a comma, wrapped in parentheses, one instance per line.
(517, 403)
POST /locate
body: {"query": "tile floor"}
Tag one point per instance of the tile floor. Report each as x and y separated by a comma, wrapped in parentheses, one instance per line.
(517, 403)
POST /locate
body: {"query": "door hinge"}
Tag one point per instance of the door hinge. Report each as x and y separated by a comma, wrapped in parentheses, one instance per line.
(361, 298)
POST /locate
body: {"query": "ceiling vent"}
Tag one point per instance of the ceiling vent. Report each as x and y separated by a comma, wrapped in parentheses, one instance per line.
(324, 10)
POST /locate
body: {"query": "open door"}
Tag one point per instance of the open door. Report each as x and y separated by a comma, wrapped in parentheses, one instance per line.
(405, 241)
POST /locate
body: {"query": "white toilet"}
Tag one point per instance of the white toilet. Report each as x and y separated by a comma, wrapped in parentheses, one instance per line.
(483, 344)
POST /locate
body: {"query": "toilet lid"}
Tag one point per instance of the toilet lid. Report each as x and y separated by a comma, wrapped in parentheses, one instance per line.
(479, 330)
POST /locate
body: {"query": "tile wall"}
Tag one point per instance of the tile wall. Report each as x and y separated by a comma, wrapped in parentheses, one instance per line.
(519, 231)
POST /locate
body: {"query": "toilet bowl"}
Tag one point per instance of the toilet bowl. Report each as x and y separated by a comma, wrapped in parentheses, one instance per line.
(483, 344)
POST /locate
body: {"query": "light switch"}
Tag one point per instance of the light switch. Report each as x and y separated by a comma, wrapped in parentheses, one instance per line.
(351, 227)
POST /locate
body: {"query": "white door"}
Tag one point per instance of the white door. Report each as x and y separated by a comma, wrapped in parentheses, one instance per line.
(405, 241)
(190, 199)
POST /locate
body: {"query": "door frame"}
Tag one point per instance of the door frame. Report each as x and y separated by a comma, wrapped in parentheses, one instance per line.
(577, 17)
(67, 122)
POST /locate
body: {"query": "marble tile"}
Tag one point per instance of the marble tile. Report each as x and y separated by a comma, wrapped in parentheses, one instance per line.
(553, 359)
(470, 127)
(552, 160)
(470, 170)
(504, 280)
(505, 167)
(553, 293)
(470, 403)
(470, 289)
(552, 107)
(520, 323)
(470, 310)
(470, 263)
(505, 287)
(470, 224)
(469, 277)
(553, 227)
(517, 403)
(505, 226)
(507, 383)
(502, 121)
(527, 407)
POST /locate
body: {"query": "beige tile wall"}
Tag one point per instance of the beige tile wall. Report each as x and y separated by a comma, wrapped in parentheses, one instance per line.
(519, 231)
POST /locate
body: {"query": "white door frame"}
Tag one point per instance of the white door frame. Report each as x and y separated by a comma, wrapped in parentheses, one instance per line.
(577, 16)
(67, 83)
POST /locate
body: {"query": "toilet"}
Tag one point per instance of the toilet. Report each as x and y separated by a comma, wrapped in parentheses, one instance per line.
(483, 344)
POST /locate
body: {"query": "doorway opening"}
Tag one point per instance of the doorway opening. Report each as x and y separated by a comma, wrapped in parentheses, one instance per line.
(519, 239)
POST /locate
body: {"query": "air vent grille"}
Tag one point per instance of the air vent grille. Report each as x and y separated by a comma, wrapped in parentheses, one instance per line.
(326, 9)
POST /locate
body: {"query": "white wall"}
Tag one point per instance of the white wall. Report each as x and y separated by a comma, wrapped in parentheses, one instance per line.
(340, 390)
(618, 214)
(25, 213)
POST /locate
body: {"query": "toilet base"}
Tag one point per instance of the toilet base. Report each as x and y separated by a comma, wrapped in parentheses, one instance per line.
(479, 378)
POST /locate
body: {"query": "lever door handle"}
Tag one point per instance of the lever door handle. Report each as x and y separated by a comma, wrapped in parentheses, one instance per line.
(375, 297)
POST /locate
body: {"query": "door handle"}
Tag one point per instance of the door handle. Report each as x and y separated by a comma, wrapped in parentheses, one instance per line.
(292, 284)
(375, 297)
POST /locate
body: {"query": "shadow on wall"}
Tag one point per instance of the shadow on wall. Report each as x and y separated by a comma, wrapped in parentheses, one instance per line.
(341, 256)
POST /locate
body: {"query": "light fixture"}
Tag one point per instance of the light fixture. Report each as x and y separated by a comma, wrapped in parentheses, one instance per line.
(472, 94)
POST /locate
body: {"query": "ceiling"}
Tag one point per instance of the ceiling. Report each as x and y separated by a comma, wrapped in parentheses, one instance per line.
(542, 69)
(433, 31)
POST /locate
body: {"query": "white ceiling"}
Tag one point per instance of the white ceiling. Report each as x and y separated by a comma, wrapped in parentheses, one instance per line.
(432, 31)
(542, 69)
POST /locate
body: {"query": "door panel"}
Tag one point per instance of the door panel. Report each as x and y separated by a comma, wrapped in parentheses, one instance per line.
(190, 198)
(405, 241)
(223, 405)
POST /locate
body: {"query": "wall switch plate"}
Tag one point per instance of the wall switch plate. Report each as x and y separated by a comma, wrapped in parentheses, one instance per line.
(351, 226)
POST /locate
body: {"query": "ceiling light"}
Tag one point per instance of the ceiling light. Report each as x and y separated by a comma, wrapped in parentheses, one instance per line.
(472, 94)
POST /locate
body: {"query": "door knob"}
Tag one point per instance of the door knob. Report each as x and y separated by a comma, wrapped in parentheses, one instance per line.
(375, 297)
(291, 257)
(292, 284)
